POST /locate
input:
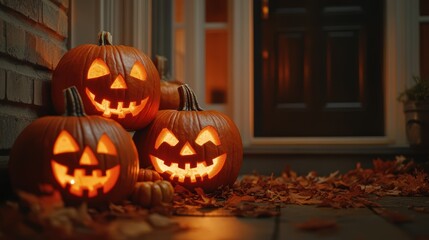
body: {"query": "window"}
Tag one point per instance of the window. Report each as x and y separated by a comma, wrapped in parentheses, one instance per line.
(204, 25)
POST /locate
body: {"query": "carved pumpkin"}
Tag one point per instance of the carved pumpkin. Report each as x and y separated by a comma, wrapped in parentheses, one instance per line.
(86, 158)
(191, 147)
(115, 81)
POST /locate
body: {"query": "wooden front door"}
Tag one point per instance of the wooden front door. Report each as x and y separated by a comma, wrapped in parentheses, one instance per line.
(318, 68)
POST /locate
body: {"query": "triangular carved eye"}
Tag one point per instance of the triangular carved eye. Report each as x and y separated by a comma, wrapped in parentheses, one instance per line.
(106, 146)
(97, 69)
(166, 136)
(138, 71)
(65, 143)
(208, 134)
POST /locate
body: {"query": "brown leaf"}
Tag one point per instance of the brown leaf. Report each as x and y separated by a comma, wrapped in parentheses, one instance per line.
(43, 204)
(235, 200)
(419, 209)
(316, 224)
(393, 216)
(206, 200)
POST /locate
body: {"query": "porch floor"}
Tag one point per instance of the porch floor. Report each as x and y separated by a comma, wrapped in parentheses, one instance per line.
(396, 218)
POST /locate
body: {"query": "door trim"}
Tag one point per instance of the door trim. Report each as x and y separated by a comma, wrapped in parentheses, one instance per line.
(128, 21)
(400, 61)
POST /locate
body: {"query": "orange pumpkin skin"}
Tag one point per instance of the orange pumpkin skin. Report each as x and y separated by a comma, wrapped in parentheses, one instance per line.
(207, 164)
(128, 90)
(146, 175)
(152, 193)
(97, 156)
(170, 98)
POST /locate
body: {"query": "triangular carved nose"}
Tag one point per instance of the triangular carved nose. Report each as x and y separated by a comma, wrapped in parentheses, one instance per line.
(187, 150)
(119, 83)
(88, 157)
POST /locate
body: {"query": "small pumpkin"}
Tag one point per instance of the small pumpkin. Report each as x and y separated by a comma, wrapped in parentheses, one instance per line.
(115, 81)
(192, 147)
(151, 194)
(148, 175)
(85, 158)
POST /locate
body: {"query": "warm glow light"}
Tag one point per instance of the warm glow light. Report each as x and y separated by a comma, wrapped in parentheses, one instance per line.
(187, 150)
(65, 143)
(106, 146)
(208, 134)
(88, 157)
(166, 136)
(119, 83)
(138, 71)
(120, 110)
(265, 9)
(97, 69)
(81, 181)
(194, 174)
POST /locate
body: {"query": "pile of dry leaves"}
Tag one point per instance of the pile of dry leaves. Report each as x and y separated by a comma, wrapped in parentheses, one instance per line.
(254, 195)
(46, 217)
(258, 195)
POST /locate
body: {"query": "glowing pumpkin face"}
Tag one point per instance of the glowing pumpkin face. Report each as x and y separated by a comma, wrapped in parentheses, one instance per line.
(98, 74)
(85, 158)
(191, 147)
(79, 180)
(193, 165)
(117, 82)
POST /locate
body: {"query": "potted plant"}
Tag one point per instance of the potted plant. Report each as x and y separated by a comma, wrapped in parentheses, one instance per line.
(416, 109)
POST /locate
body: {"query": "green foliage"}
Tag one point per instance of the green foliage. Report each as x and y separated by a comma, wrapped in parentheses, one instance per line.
(418, 92)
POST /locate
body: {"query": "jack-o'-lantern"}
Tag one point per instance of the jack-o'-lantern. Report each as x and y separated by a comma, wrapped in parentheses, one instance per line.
(85, 158)
(115, 81)
(192, 147)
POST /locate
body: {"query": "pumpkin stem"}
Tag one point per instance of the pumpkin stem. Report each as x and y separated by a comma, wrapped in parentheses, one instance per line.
(104, 38)
(188, 100)
(73, 102)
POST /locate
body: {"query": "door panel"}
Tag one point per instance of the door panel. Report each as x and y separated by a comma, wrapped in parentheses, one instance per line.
(318, 68)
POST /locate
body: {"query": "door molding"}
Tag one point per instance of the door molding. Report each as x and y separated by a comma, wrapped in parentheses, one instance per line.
(128, 21)
(400, 61)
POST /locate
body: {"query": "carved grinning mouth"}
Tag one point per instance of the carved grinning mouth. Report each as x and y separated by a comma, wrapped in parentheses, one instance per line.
(79, 181)
(121, 111)
(200, 171)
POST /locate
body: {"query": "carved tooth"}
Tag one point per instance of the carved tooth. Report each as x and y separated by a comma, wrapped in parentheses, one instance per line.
(106, 108)
(193, 178)
(132, 106)
(121, 110)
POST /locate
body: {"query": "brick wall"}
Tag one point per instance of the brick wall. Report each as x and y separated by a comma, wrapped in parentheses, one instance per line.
(33, 37)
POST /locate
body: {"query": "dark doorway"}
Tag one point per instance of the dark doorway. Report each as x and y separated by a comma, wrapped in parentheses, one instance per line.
(318, 68)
